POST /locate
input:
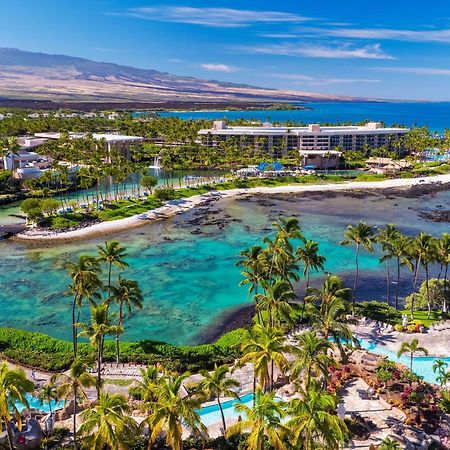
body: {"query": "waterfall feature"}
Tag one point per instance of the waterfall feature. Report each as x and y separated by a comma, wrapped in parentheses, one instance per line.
(156, 162)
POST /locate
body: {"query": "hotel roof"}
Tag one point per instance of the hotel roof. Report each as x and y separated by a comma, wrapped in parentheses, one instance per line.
(313, 129)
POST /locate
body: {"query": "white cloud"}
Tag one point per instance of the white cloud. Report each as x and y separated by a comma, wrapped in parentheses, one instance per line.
(213, 17)
(278, 35)
(416, 70)
(379, 34)
(175, 60)
(342, 51)
(219, 67)
(300, 79)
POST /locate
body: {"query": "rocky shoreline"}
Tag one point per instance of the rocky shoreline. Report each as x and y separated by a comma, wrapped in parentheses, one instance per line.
(241, 317)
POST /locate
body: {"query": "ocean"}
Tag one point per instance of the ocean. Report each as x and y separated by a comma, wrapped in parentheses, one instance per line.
(435, 115)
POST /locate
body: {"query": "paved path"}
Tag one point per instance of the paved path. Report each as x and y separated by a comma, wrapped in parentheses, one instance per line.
(357, 400)
(436, 341)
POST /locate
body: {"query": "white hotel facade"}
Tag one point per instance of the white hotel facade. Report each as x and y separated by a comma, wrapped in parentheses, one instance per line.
(313, 138)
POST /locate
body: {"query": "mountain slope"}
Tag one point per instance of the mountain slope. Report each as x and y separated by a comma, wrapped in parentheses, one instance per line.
(39, 76)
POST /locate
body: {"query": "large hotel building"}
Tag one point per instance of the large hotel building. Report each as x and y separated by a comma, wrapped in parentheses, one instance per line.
(311, 138)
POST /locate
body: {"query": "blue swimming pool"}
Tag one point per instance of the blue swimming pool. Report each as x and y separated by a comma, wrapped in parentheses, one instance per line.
(422, 365)
(35, 403)
(211, 414)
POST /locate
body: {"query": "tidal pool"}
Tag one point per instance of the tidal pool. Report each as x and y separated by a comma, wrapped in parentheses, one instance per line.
(186, 265)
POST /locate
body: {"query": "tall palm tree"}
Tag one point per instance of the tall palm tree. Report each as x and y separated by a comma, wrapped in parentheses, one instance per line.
(172, 409)
(440, 369)
(127, 293)
(312, 358)
(254, 263)
(107, 424)
(423, 251)
(412, 348)
(264, 347)
(99, 327)
(400, 251)
(263, 422)
(280, 248)
(361, 236)
(386, 237)
(443, 257)
(327, 308)
(72, 386)
(218, 384)
(113, 254)
(309, 256)
(275, 301)
(85, 283)
(313, 420)
(14, 386)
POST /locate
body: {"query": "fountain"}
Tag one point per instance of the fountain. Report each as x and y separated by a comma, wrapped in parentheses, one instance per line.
(156, 163)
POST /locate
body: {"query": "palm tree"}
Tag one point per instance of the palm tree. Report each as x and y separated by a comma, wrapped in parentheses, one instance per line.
(313, 420)
(440, 368)
(112, 253)
(329, 315)
(218, 384)
(264, 348)
(400, 251)
(280, 248)
(412, 348)
(312, 358)
(99, 328)
(311, 259)
(423, 251)
(263, 422)
(106, 425)
(85, 283)
(275, 300)
(443, 256)
(361, 236)
(148, 385)
(255, 269)
(386, 237)
(172, 409)
(14, 386)
(128, 294)
(48, 394)
(72, 387)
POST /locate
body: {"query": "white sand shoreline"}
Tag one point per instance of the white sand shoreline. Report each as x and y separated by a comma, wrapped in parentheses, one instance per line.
(174, 207)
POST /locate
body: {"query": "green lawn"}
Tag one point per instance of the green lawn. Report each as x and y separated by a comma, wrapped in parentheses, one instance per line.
(436, 316)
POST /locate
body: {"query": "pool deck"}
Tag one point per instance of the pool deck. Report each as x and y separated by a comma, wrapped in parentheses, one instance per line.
(437, 342)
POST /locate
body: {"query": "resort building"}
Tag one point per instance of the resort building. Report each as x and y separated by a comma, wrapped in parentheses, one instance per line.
(311, 138)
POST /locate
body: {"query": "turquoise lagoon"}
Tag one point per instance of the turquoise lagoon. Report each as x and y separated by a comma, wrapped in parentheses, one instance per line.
(186, 265)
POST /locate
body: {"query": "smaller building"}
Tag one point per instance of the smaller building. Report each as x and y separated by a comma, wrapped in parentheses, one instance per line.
(387, 165)
(320, 159)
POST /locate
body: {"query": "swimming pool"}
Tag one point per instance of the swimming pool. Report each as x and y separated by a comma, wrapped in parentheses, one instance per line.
(422, 365)
(35, 403)
(211, 414)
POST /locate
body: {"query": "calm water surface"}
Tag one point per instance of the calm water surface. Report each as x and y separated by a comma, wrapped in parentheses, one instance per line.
(186, 265)
(435, 115)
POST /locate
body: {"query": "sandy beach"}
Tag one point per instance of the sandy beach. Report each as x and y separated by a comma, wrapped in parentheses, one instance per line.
(174, 207)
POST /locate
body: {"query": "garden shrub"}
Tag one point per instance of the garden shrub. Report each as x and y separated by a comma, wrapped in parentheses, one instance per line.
(376, 310)
(39, 350)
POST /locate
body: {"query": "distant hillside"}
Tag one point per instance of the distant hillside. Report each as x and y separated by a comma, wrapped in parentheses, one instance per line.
(59, 78)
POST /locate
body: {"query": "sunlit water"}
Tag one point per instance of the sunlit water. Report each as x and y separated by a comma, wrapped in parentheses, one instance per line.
(435, 115)
(186, 265)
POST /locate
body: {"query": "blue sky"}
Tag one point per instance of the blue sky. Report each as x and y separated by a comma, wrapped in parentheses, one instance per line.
(385, 49)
